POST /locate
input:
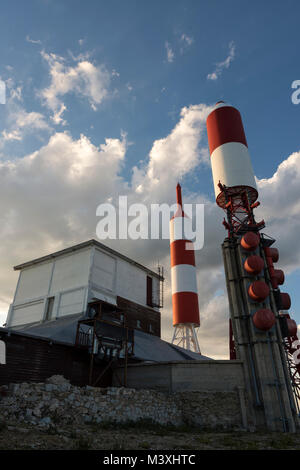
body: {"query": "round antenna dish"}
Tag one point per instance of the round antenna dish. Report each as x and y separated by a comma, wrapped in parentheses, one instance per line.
(264, 319)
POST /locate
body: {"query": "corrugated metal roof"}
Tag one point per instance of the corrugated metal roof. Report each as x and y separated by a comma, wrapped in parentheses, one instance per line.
(62, 330)
(146, 347)
(152, 348)
(80, 246)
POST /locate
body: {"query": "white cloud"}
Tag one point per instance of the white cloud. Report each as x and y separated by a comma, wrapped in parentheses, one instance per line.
(170, 52)
(13, 135)
(280, 208)
(83, 79)
(16, 93)
(182, 44)
(186, 42)
(18, 121)
(57, 116)
(173, 156)
(220, 66)
(33, 120)
(186, 39)
(33, 41)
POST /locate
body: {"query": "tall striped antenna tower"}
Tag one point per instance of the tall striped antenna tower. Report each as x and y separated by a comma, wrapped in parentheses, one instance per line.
(186, 316)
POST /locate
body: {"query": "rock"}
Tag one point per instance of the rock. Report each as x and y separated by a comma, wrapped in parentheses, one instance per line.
(57, 380)
(37, 412)
(3, 390)
(45, 421)
(24, 430)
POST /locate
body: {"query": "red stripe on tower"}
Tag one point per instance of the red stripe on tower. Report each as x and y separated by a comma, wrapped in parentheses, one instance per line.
(225, 125)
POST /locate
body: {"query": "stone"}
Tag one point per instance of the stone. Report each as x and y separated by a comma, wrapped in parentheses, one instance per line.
(61, 403)
(45, 421)
(57, 380)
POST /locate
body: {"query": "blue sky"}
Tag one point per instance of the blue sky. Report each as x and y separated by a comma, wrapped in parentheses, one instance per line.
(145, 62)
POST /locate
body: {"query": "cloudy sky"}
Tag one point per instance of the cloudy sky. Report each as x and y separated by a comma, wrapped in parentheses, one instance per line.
(110, 98)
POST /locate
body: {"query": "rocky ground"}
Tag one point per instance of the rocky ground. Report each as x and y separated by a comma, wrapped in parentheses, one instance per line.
(56, 415)
(136, 436)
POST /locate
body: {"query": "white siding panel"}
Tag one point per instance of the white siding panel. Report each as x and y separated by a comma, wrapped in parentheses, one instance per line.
(131, 282)
(28, 313)
(71, 271)
(97, 294)
(34, 282)
(104, 271)
(71, 302)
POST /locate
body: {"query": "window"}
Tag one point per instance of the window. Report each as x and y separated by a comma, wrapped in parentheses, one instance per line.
(149, 291)
(49, 308)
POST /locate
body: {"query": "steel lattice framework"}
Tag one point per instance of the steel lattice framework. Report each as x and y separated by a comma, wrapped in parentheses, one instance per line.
(239, 211)
(292, 345)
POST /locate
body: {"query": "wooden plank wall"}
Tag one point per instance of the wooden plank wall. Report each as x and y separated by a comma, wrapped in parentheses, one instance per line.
(31, 359)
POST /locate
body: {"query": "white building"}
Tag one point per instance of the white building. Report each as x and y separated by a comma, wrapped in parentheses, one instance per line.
(63, 283)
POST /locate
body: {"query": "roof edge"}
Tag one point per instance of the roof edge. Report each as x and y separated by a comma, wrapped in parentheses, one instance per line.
(80, 246)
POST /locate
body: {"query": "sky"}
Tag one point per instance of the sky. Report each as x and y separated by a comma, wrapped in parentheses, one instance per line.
(110, 98)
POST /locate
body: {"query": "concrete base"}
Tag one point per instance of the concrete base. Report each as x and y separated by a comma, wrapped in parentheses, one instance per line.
(177, 376)
(212, 378)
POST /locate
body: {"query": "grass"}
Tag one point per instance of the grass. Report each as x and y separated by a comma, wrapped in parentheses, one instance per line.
(144, 445)
(119, 444)
(144, 425)
(282, 442)
(3, 426)
(82, 443)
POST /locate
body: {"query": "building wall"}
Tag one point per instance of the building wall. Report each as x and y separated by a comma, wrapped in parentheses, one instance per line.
(205, 375)
(65, 278)
(103, 277)
(139, 317)
(73, 280)
(28, 312)
(30, 359)
(70, 272)
(132, 282)
(34, 282)
(112, 276)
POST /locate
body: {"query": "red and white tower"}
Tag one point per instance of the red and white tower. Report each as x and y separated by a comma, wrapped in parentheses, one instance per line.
(261, 334)
(184, 280)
